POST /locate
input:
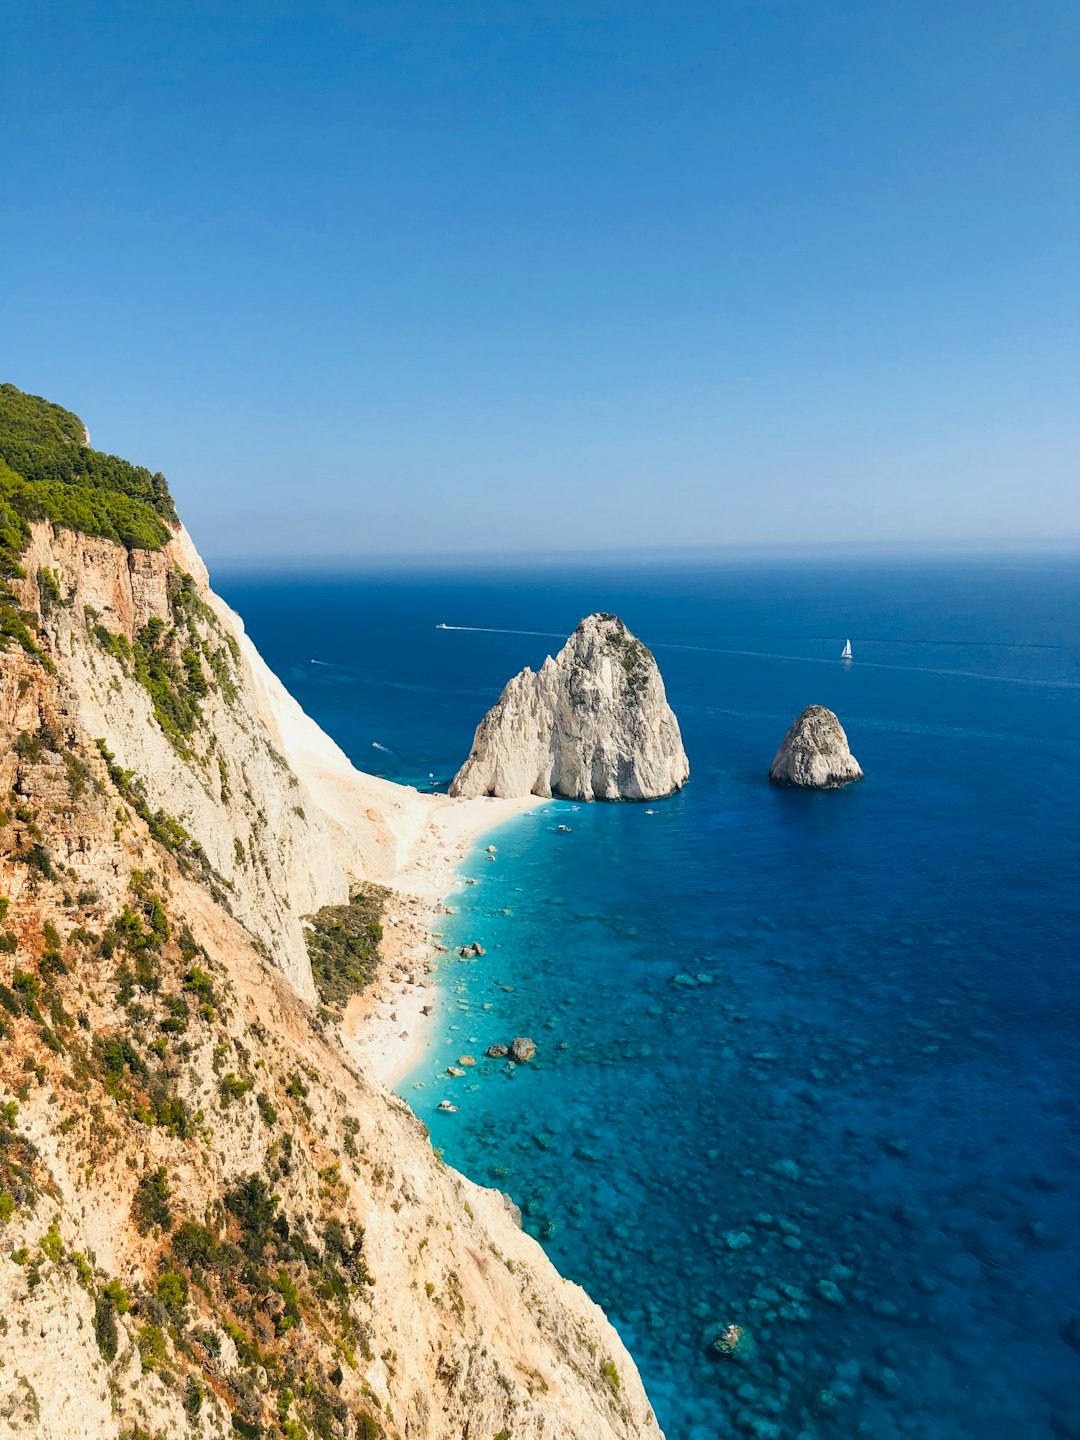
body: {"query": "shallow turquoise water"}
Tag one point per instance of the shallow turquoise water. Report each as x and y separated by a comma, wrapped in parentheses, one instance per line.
(869, 1096)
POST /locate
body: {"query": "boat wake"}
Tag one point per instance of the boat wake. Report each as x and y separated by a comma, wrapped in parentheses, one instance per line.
(491, 630)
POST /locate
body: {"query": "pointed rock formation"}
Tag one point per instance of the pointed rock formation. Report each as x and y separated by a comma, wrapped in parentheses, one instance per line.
(592, 724)
(815, 753)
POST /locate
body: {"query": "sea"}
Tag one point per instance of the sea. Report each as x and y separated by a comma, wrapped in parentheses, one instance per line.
(808, 1064)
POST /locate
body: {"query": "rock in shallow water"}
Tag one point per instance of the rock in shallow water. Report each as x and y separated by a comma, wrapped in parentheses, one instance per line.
(815, 754)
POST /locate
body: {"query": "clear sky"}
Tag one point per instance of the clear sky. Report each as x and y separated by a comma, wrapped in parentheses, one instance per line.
(374, 278)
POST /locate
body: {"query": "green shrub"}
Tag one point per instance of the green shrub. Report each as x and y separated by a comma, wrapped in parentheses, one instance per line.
(105, 1329)
(112, 1300)
(199, 983)
(254, 1207)
(230, 1088)
(195, 1246)
(117, 1296)
(39, 859)
(152, 1346)
(291, 1313)
(151, 1206)
(52, 1245)
(172, 1290)
(343, 945)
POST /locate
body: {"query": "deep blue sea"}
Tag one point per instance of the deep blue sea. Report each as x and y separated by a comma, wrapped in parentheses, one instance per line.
(808, 1064)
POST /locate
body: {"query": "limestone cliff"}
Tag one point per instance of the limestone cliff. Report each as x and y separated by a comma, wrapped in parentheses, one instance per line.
(814, 753)
(592, 724)
(211, 1222)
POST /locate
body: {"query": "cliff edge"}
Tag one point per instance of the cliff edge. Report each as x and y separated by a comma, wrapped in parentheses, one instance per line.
(591, 724)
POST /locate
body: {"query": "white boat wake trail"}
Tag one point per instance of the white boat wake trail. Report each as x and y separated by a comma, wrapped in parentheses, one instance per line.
(491, 630)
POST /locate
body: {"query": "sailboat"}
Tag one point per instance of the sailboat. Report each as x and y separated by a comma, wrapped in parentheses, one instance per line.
(845, 654)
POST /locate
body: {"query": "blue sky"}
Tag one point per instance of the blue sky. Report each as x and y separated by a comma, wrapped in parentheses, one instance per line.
(371, 279)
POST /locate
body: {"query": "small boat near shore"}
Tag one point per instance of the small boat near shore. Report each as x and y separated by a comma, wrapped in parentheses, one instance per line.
(447, 1107)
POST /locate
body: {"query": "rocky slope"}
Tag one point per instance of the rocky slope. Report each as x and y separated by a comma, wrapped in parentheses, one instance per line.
(211, 1221)
(815, 753)
(592, 724)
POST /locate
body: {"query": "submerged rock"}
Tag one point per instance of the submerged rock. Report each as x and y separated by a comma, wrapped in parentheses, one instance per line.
(591, 724)
(815, 753)
(735, 1342)
(830, 1292)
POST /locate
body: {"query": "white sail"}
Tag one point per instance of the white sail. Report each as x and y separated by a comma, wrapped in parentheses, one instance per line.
(846, 653)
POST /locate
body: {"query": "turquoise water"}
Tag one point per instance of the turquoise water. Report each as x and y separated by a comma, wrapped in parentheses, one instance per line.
(856, 1134)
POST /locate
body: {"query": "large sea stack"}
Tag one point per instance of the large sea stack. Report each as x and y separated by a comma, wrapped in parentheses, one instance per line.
(592, 724)
(815, 753)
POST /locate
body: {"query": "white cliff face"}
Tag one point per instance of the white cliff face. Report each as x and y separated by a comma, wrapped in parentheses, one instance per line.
(592, 724)
(272, 854)
(815, 753)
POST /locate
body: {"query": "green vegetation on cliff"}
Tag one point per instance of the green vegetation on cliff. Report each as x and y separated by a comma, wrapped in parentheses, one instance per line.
(48, 472)
(343, 945)
(51, 474)
(168, 660)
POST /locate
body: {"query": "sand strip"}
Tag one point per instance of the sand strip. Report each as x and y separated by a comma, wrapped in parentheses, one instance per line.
(385, 1027)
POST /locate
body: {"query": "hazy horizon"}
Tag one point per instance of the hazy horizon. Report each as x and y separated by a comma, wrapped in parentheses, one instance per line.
(312, 565)
(376, 282)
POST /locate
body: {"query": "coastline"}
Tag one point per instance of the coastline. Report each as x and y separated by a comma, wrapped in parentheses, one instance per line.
(388, 834)
(385, 1027)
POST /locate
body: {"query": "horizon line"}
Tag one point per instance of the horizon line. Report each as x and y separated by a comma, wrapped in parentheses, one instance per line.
(674, 554)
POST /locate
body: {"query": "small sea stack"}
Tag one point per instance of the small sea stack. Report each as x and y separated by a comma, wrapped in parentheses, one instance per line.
(815, 754)
(591, 724)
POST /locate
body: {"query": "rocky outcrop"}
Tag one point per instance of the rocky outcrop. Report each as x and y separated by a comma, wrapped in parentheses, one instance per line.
(815, 753)
(591, 724)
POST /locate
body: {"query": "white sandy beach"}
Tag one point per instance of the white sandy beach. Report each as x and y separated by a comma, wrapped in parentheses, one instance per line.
(385, 1027)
